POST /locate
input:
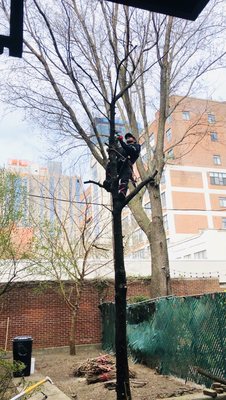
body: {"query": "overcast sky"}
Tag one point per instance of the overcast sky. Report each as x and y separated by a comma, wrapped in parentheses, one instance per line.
(18, 139)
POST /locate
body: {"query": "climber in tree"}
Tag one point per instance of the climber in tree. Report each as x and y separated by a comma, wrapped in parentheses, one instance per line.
(127, 154)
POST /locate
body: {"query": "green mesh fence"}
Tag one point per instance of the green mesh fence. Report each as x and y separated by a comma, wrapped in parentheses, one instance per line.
(175, 334)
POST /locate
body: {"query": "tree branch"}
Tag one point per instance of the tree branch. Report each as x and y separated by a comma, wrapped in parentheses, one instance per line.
(149, 180)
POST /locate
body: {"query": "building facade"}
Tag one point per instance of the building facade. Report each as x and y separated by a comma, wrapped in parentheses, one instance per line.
(51, 197)
(193, 185)
(194, 182)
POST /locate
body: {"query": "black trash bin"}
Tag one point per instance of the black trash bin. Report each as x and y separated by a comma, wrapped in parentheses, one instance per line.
(22, 349)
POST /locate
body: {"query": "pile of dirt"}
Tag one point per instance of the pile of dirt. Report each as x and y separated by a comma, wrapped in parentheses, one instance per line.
(99, 369)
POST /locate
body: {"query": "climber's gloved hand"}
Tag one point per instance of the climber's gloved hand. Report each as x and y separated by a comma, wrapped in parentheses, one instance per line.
(119, 137)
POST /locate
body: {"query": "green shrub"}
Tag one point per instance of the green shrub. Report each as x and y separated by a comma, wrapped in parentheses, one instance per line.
(7, 368)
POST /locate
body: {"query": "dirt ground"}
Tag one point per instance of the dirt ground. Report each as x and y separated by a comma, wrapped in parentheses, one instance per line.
(59, 366)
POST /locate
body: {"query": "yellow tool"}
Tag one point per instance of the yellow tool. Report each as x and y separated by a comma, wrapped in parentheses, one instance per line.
(32, 387)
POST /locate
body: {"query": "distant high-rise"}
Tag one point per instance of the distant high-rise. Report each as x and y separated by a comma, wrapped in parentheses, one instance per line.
(103, 128)
(54, 167)
(50, 195)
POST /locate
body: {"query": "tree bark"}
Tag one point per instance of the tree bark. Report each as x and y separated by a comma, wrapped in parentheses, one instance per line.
(122, 368)
(73, 333)
(160, 281)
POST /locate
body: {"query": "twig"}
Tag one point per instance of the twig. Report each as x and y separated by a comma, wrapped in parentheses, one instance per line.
(95, 183)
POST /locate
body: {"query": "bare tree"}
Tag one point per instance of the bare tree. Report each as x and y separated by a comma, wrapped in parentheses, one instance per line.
(65, 249)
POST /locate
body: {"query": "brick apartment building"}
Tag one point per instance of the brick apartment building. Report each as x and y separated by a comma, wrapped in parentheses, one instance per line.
(194, 182)
(193, 186)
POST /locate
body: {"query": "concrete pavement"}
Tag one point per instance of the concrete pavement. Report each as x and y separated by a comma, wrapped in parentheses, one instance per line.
(47, 389)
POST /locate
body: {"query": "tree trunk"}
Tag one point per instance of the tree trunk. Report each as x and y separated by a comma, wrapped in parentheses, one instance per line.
(122, 368)
(160, 282)
(73, 333)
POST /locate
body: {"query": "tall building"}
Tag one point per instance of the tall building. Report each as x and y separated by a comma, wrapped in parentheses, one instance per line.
(51, 196)
(193, 187)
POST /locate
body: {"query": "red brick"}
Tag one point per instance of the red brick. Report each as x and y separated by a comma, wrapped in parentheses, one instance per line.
(45, 316)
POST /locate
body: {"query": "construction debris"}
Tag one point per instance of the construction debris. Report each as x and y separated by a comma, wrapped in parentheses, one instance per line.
(110, 385)
(210, 392)
(217, 387)
(99, 369)
(210, 376)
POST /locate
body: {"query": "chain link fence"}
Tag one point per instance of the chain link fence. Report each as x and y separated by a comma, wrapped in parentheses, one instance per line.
(175, 334)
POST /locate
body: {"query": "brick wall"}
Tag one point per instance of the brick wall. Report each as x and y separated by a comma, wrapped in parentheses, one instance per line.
(43, 314)
(193, 286)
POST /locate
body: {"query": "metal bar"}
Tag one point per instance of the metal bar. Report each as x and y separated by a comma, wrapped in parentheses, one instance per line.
(32, 387)
(14, 42)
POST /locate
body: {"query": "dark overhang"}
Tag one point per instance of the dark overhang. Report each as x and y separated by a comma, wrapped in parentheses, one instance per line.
(14, 42)
(187, 9)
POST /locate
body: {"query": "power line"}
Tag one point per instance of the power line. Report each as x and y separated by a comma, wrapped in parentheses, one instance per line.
(104, 205)
(68, 201)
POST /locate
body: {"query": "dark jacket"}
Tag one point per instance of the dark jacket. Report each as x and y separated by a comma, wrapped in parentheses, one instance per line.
(131, 150)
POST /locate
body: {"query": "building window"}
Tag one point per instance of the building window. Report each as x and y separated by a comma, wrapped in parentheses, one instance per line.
(165, 222)
(201, 255)
(144, 157)
(152, 139)
(187, 257)
(222, 201)
(169, 119)
(217, 159)
(163, 178)
(138, 236)
(147, 208)
(144, 154)
(163, 199)
(170, 154)
(169, 135)
(211, 118)
(143, 148)
(218, 178)
(223, 223)
(139, 254)
(213, 136)
(125, 223)
(186, 115)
